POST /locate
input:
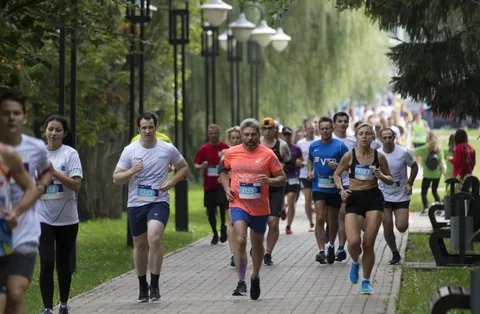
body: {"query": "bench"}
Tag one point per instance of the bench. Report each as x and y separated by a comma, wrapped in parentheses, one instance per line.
(437, 238)
(446, 206)
(448, 298)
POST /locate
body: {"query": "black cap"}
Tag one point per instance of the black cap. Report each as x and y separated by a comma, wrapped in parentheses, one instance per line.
(286, 129)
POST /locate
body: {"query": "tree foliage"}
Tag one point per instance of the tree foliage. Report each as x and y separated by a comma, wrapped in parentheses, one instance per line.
(441, 61)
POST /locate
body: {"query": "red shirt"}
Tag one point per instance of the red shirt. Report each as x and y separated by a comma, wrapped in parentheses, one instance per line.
(463, 160)
(210, 153)
(245, 166)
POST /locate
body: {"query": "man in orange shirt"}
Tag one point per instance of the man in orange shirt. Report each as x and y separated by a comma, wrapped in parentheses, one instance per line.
(253, 168)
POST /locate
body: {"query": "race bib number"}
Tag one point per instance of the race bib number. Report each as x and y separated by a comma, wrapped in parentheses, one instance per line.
(363, 172)
(146, 193)
(395, 187)
(293, 181)
(326, 183)
(6, 247)
(212, 171)
(250, 191)
(54, 191)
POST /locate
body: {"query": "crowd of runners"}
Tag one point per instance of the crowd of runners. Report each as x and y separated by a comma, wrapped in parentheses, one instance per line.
(355, 168)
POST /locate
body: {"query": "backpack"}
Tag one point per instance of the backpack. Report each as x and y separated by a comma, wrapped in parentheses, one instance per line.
(432, 161)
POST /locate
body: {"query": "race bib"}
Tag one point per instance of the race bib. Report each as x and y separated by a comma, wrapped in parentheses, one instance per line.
(363, 172)
(6, 247)
(250, 191)
(146, 193)
(54, 191)
(212, 171)
(390, 188)
(293, 181)
(326, 183)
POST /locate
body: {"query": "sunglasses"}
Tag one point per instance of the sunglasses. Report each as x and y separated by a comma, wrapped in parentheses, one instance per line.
(267, 127)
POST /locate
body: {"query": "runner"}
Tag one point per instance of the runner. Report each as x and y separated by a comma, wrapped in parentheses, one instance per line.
(396, 195)
(11, 167)
(280, 148)
(340, 127)
(292, 170)
(19, 268)
(323, 158)
(59, 214)
(206, 160)
(305, 183)
(365, 202)
(253, 168)
(144, 164)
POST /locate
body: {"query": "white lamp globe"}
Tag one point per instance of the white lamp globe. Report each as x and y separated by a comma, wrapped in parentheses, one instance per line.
(262, 34)
(242, 28)
(215, 12)
(280, 40)
(222, 39)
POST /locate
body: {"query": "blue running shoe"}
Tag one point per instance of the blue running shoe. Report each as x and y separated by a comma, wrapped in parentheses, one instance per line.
(353, 275)
(367, 287)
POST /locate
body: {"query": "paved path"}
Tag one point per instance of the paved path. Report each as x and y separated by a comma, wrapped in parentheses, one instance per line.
(198, 279)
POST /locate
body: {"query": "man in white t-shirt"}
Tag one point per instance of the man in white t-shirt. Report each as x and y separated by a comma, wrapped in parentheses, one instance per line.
(340, 126)
(305, 184)
(25, 236)
(144, 164)
(397, 195)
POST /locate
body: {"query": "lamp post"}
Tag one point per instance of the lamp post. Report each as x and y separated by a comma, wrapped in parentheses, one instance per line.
(137, 12)
(178, 35)
(213, 14)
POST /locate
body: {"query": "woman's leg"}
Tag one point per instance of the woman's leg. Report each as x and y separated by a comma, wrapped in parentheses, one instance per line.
(373, 220)
(67, 236)
(47, 263)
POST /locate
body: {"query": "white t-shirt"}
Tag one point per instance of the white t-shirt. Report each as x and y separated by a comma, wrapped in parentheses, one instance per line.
(143, 187)
(398, 160)
(34, 157)
(58, 206)
(350, 142)
(304, 145)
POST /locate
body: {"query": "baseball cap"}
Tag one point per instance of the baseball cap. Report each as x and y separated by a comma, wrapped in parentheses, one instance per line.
(286, 129)
(267, 121)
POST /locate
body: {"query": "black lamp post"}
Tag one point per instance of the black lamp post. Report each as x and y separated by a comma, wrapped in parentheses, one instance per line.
(178, 35)
(254, 59)
(234, 57)
(136, 15)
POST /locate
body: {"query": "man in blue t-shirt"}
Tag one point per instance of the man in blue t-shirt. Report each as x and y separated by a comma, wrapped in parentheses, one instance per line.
(323, 158)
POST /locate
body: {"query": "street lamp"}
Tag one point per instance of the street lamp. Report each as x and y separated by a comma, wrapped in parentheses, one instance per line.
(179, 35)
(280, 40)
(215, 12)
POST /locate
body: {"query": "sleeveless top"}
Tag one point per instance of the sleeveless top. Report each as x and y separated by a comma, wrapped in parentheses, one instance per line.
(276, 150)
(363, 172)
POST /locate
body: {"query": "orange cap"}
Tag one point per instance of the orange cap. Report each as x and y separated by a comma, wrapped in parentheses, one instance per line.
(267, 121)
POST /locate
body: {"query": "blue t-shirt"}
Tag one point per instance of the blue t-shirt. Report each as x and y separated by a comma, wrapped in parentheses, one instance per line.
(320, 154)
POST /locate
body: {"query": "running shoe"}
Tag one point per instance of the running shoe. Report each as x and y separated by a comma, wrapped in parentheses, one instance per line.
(254, 288)
(223, 234)
(63, 310)
(143, 295)
(283, 215)
(320, 257)
(232, 261)
(48, 311)
(367, 287)
(241, 289)
(395, 258)
(353, 274)
(312, 228)
(331, 254)
(341, 255)
(154, 293)
(214, 239)
(288, 230)
(267, 259)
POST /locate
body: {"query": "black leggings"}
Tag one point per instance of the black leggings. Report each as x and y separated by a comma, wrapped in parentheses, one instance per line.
(56, 245)
(425, 186)
(211, 211)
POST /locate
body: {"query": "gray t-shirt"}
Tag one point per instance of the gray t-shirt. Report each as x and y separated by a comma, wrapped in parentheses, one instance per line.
(143, 187)
(350, 142)
(58, 206)
(398, 160)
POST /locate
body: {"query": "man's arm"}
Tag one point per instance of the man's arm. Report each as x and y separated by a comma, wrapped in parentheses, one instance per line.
(278, 179)
(286, 155)
(180, 174)
(121, 176)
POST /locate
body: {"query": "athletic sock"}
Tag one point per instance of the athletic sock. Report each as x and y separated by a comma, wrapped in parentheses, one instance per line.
(142, 280)
(154, 280)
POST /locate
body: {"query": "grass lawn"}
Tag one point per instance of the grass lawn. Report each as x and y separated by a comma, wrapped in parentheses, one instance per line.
(102, 253)
(418, 285)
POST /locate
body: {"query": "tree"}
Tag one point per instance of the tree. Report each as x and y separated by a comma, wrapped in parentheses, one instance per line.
(440, 63)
